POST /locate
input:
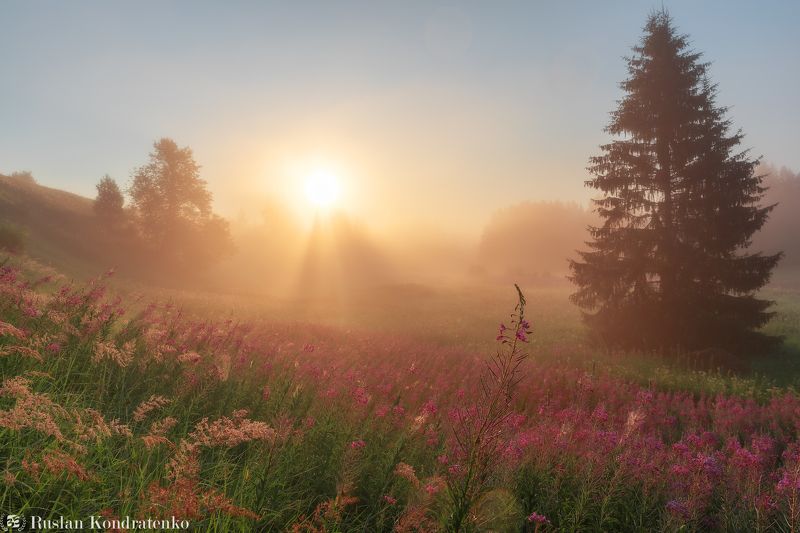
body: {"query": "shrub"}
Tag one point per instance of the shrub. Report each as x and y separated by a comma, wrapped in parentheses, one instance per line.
(11, 239)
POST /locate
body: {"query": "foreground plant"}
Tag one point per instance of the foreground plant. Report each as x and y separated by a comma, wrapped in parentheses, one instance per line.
(478, 430)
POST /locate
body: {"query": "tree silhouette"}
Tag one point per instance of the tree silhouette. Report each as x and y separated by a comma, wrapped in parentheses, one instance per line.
(109, 202)
(668, 267)
(172, 207)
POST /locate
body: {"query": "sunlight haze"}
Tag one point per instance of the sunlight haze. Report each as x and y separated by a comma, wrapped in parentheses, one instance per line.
(454, 108)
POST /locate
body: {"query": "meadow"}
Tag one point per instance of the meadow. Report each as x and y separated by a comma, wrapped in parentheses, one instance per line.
(403, 409)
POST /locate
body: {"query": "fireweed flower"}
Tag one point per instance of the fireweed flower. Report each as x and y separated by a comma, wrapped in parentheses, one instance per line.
(501, 333)
(435, 485)
(536, 518)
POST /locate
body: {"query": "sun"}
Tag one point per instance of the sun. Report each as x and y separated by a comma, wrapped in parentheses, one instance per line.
(322, 189)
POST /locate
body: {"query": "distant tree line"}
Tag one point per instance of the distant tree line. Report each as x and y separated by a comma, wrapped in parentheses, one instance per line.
(551, 232)
(782, 230)
(169, 208)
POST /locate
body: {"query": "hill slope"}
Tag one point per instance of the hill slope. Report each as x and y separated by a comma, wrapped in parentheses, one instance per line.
(61, 229)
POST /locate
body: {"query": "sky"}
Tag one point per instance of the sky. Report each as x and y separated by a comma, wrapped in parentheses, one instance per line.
(432, 114)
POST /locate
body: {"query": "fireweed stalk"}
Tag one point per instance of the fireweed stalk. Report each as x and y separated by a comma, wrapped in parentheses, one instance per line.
(478, 430)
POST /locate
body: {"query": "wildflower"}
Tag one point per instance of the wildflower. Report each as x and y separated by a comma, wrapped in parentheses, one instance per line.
(455, 470)
(120, 429)
(357, 444)
(231, 432)
(222, 366)
(22, 350)
(429, 408)
(788, 482)
(108, 350)
(31, 467)
(97, 428)
(30, 311)
(766, 503)
(360, 396)
(265, 392)
(152, 403)
(391, 500)
(54, 347)
(11, 331)
(678, 509)
(600, 414)
(406, 472)
(501, 335)
(161, 427)
(435, 485)
(635, 418)
(189, 357)
(151, 441)
(536, 518)
(58, 462)
(31, 410)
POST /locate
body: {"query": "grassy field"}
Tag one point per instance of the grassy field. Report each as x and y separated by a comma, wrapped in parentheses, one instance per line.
(378, 413)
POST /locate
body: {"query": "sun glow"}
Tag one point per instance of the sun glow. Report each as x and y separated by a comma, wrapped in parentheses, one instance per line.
(322, 189)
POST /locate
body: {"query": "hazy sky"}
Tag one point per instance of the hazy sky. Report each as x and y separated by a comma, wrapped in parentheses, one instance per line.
(431, 112)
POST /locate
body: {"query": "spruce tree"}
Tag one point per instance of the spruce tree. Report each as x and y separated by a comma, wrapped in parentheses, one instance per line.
(669, 267)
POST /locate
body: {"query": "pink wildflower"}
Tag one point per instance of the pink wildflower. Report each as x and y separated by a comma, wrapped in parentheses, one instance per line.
(536, 518)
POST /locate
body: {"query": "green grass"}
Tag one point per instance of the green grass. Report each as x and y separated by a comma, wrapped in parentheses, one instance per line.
(292, 478)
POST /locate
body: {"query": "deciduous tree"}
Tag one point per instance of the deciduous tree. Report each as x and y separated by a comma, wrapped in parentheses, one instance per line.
(172, 207)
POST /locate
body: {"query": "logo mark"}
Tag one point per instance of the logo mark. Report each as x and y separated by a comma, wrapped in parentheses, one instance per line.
(12, 522)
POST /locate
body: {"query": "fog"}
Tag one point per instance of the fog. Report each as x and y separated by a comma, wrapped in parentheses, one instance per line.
(280, 253)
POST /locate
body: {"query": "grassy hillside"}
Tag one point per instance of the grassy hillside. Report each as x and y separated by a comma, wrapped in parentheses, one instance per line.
(60, 228)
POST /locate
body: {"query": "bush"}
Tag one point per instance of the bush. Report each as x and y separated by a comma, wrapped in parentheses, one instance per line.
(11, 239)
